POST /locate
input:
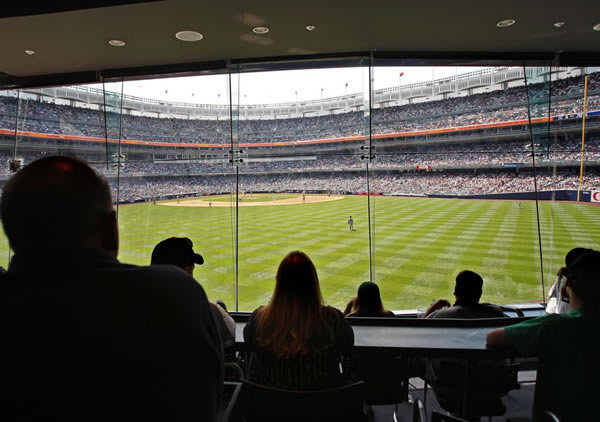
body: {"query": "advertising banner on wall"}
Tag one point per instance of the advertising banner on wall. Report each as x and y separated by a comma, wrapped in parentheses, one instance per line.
(595, 197)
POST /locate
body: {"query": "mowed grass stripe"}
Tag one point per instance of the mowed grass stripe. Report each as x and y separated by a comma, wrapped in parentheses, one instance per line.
(419, 256)
(553, 231)
(498, 278)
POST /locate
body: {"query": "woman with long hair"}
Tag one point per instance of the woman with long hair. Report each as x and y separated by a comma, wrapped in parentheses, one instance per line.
(297, 343)
(367, 303)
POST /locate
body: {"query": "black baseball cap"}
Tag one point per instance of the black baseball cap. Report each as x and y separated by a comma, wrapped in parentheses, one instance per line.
(176, 251)
(582, 273)
(574, 254)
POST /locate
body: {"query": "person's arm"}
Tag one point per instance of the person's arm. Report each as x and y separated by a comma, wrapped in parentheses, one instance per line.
(250, 330)
(529, 337)
(350, 306)
(344, 334)
(497, 338)
(435, 306)
(229, 323)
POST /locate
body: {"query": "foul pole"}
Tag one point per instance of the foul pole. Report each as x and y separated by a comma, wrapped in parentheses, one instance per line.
(585, 86)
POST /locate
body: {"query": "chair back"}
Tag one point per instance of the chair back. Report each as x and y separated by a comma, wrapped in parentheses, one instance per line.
(265, 404)
(440, 417)
(386, 379)
(484, 379)
(419, 414)
(549, 416)
(506, 308)
(230, 409)
(488, 383)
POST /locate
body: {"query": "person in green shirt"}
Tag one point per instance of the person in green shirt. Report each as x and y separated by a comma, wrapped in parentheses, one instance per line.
(567, 346)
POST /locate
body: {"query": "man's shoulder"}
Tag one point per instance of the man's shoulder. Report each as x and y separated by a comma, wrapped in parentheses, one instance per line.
(493, 310)
(444, 313)
(155, 272)
(160, 278)
(467, 312)
(149, 273)
(105, 277)
(557, 320)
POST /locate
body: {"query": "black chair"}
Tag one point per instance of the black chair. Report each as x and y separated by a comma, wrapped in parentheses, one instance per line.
(233, 372)
(419, 413)
(230, 409)
(549, 416)
(265, 404)
(512, 309)
(386, 379)
(441, 417)
(488, 382)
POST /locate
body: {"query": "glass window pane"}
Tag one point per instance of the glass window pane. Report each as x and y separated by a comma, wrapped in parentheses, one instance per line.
(62, 120)
(175, 178)
(9, 106)
(454, 184)
(300, 154)
(567, 166)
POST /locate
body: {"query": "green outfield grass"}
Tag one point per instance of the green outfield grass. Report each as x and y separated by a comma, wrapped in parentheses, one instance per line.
(419, 245)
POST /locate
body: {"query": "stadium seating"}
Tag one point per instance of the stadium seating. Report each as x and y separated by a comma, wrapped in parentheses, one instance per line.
(492, 107)
(264, 404)
(488, 383)
(463, 167)
(386, 378)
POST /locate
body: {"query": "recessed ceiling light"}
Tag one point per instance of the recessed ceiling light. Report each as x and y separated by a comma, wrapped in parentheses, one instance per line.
(30, 52)
(190, 36)
(596, 27)
(260, 30)
(117, 43)
(505, 23)
(310, 27)
(559, 24)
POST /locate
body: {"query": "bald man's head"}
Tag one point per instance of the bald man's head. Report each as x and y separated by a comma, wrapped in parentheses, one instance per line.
(58, 202)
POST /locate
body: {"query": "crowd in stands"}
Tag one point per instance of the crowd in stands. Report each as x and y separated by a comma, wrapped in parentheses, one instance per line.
(411, 183)
(459, 170)
(492, 107)
(471, 155)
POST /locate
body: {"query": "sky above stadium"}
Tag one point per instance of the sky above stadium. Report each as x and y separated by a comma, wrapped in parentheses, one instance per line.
(284, 86)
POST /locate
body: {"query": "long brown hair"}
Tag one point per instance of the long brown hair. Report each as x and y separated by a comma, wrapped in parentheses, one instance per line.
(294, 315)
(369, 300)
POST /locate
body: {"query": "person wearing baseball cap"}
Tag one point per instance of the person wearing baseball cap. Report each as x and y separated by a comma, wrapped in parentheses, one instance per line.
(558, 302)
(566, 345)
(176, 251)
(179, 251)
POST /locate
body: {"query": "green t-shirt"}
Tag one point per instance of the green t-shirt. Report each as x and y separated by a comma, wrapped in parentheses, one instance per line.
(568, 377)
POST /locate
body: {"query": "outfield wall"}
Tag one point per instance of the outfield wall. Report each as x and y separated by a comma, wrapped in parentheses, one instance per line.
(557, 195)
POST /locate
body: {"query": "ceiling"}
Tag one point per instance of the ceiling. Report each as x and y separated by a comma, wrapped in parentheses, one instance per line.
(77, 41)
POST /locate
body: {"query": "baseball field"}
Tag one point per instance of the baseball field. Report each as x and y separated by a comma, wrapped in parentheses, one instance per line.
(418, 244)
